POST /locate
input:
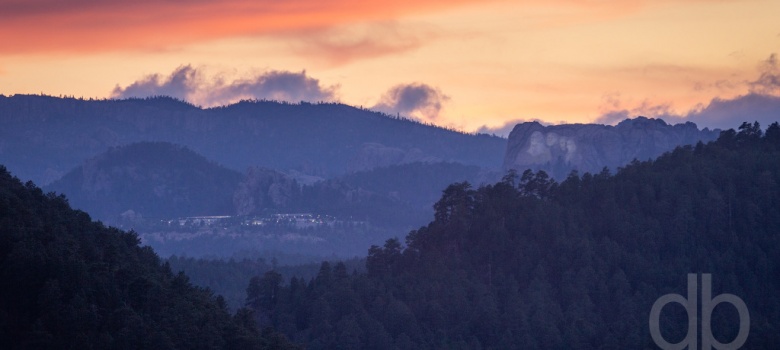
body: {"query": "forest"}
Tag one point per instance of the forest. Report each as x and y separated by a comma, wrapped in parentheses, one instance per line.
(531, 263)
(524, 263)
(72, 283)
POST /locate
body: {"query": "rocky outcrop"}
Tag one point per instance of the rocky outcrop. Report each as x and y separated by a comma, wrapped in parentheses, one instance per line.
(264, 188)
(559, 149)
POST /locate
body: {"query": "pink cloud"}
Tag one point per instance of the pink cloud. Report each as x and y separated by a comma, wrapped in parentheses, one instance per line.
(94, 26)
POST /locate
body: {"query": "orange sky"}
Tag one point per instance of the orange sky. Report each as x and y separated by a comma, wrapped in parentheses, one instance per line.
(487, 63)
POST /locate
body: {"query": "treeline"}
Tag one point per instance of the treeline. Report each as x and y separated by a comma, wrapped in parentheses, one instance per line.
(71, 283)
(229, 277)
(530, 263)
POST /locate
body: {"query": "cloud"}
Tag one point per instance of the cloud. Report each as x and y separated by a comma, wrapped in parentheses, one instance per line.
(412, 99)
(344, 44)
(190, 84)
(645, 109)
(717, 114)
(273, 85)
(768, 81)
(98, 26)
(761, 103)
(181, 84)
(730, 113)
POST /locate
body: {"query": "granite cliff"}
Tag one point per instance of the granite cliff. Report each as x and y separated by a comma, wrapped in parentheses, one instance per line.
(559, 149)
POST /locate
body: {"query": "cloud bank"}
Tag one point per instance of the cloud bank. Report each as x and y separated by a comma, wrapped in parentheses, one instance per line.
(99, 26)
(419, 100)
(761, 104)
(768, 81)
(190, 84)
(717, 114)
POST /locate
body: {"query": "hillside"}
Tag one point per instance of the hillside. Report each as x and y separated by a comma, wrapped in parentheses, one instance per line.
(70, 283)
(44, 137)
(364, 208)
(149, 180)
(530, 263)
(149, 186)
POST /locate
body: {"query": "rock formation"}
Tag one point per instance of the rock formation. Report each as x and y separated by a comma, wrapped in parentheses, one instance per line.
(559, 149)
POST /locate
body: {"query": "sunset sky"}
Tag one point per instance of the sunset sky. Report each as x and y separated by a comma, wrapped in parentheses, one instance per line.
(471, 65)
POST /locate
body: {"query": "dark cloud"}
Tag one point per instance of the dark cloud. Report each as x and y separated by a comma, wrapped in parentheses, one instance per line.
(612, 117)
(768, 81)
(729, 114)
(412, 99)
(190, 84)
(717, 114)
(274, 85)
(181, 84)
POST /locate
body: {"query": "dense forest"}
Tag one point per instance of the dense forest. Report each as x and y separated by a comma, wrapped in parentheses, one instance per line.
(229, 277)
(71, 283)
(530, 263)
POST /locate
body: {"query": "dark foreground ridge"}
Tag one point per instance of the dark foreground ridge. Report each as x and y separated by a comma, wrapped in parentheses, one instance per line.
(71, 283)
(530, 263)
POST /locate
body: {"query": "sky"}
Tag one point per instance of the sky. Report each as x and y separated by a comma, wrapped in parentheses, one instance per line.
(470, 65)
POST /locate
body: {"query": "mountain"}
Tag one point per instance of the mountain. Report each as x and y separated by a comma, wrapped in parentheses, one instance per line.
(159, 180)
(147, 185)
(44, 137)
(559, 149)
(151, 180)
(360, 209)
(70, 283)
(532, 263)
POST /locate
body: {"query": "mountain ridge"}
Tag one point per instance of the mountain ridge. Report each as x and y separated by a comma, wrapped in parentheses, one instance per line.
(44, 137)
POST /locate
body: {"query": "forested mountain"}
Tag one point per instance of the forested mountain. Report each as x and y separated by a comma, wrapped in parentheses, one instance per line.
(159, 180)
(44, 137)
(154, 186)
(70, 283)
(531, 263)
(149, 180)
